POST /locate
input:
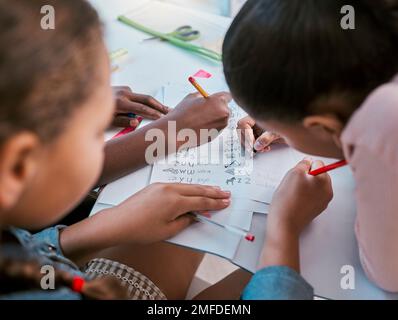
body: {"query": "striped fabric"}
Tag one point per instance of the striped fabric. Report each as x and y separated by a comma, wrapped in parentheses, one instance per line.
(139, 286)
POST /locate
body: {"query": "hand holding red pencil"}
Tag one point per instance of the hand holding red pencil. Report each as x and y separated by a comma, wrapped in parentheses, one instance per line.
(301, 197)
(330, 167)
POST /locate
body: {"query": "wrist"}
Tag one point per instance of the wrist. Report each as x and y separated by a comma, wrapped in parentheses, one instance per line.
(281, 224)
(180, 123)
(185, 117)
(278, 235)
(281, 246)
(280, 249)
(88, 236)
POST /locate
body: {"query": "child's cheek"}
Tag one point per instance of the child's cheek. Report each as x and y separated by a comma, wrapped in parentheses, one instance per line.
(95, 160)
(85, 168)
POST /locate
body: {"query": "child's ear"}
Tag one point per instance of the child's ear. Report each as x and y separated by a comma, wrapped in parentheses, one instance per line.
(325, 126)
(18, 163)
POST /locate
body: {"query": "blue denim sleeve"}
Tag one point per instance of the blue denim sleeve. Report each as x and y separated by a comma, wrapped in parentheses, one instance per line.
(53, 251)
(278, 283)
(51, 237)
(45, 247)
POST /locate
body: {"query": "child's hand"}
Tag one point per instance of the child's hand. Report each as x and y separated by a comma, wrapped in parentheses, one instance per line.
(139, 104)
(196, 112)
(300, 198)
(253, 137)
(159, 211)
(156, 213)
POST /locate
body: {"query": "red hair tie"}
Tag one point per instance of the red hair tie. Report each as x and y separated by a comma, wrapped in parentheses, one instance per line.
(77, 284)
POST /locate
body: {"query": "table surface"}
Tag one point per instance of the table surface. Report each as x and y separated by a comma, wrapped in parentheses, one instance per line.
(329, 243)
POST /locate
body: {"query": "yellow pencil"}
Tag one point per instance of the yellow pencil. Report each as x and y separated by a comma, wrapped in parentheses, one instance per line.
(198, 87)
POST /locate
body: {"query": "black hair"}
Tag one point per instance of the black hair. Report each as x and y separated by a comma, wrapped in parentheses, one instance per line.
(281, 56)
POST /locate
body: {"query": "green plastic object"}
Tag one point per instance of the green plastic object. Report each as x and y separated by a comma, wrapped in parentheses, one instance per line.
(177, 42)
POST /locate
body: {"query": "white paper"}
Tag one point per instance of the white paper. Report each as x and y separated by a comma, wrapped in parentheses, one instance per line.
(269, 170)
(123, 188)
(202, 237)
(215, 163)
(241, 219)
(248, 253)
(199, 236)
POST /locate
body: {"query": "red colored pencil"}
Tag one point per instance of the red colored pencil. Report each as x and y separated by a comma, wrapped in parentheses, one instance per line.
(328, 168)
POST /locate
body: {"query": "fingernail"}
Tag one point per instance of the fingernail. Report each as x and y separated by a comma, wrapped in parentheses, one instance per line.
(134, 123)
(267, 149)
(217, 188)
(258, 145)
(308, 159)
(226, 201)
(206, 214)
(227, 192)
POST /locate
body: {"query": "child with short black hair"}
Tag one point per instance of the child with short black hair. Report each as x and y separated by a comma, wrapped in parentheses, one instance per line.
(329, 92)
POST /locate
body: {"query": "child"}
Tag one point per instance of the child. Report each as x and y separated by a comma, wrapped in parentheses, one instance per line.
(328, 92)
(56, 102)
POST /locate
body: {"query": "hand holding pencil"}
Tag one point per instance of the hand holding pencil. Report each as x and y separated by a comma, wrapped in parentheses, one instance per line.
(130, 106)
(301, 197)
(196, 112)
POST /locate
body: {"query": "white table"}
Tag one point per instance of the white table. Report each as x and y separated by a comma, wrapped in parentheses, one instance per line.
(329, 243)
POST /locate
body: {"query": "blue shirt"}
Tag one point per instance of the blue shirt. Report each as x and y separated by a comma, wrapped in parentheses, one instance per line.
(278, 283)
(45, 248)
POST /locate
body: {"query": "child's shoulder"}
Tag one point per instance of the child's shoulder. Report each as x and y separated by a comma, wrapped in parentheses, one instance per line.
(34, 251)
